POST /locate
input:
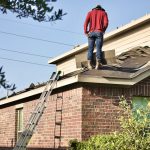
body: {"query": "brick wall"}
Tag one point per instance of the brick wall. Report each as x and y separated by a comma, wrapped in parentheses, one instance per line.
(100, 109)
(88, 109)
(7, 126)
(43, 137)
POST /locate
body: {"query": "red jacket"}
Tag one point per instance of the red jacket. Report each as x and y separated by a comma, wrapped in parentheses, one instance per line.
(97, 20)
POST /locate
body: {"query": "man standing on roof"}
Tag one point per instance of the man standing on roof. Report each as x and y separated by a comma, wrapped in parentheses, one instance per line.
(95, 26)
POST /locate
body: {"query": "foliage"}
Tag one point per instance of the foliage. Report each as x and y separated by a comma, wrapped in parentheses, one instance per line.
(134, 134)
(37, 9)
(3, 82)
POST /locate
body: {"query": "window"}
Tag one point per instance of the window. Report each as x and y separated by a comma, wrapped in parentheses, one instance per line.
(19, 121)
(141, 112)
(140, 103)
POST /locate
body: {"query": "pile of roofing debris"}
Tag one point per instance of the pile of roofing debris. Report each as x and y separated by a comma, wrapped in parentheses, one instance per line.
(135, 58)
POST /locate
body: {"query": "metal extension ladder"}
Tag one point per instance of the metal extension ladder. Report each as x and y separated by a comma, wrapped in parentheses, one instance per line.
(37, 113)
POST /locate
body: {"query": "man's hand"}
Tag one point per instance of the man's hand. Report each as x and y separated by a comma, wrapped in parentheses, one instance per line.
(87, 34)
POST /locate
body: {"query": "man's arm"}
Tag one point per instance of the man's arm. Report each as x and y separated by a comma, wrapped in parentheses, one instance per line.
(105, 21)
(87, 20)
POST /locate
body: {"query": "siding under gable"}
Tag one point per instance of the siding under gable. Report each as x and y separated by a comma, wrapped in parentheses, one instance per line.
(67, 65)
(137, 37)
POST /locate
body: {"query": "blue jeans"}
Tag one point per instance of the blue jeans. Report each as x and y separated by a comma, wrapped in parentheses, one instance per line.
(95, 37)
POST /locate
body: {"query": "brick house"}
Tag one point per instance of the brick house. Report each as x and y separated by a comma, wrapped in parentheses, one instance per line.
(89, 98)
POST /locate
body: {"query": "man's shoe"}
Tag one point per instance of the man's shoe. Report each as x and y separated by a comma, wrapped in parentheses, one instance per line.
(98, 64)
(90, 65)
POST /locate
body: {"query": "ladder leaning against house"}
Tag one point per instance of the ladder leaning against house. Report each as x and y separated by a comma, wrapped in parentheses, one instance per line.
(37, 113)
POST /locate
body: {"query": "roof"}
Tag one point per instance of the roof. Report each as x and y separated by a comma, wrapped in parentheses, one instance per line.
(128, 65)
(107, 36)
(130, 68)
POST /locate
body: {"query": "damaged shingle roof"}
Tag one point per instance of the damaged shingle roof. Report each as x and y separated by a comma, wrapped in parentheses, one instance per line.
(134, 58)
(128, 65)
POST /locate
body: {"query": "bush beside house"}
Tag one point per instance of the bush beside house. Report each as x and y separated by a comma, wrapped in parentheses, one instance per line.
(134, 134)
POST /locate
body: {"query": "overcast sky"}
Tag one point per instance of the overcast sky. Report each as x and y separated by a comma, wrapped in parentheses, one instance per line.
(68, 33)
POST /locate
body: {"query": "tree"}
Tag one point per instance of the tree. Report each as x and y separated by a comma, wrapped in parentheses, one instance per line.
(4, 83)
(37, 9)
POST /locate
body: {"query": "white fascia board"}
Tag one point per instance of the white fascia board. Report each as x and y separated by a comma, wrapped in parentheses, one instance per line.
(101, 80)
(67, 81)
(115, 81)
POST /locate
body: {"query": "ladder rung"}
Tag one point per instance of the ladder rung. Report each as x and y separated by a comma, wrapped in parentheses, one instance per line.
(59, 110)
(29, 123)
(34, 112)
(26, 134)
(58, 123)
(59, 97)
(20, 146)
(57, 137)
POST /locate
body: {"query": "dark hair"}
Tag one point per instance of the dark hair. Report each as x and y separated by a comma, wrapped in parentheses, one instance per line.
(99, 7)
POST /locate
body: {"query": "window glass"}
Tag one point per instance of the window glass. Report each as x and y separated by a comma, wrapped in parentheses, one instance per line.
(19, 114)
(141, 103)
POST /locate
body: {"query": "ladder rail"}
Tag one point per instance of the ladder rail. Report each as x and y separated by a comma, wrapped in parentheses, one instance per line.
(36, 115)
(31, 127)
(47, 84)
(32, 117)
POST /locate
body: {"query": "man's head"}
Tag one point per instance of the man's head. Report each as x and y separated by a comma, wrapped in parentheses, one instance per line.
(98, 7)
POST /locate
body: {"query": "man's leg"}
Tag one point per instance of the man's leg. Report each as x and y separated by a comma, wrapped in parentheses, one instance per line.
(91, 43)
(99, 44)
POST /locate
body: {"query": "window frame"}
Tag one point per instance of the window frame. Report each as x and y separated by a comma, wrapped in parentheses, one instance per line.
(19, 122)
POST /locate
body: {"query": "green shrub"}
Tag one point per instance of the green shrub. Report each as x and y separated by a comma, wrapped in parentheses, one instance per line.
(134, 134)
